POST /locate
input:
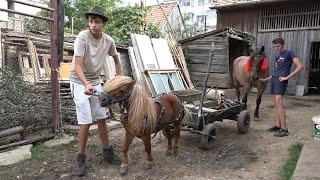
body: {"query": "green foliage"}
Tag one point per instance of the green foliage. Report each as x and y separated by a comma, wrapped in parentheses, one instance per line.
(247, 36)
(294, 154)
(126, 20)
(37, 150)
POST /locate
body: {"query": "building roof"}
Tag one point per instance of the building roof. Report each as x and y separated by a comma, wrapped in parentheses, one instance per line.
(233, 4)
(232, 32)
(155, 14)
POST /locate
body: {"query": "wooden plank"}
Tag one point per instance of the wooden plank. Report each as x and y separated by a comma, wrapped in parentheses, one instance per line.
(10, 139)
(28, 141)
(11, 131)
(213, 69)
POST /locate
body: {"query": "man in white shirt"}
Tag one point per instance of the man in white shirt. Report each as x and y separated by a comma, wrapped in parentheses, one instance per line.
(91, 48)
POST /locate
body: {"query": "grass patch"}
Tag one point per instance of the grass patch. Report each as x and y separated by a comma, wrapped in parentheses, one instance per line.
(37, 150)
(294, 154)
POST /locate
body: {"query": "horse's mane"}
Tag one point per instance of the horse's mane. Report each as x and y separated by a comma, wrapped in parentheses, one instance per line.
(142, 113)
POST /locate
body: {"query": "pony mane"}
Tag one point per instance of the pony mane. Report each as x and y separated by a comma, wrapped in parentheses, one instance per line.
(142, 113)
(116, 82)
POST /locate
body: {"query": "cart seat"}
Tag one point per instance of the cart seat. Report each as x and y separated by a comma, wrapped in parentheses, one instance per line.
(191, 106)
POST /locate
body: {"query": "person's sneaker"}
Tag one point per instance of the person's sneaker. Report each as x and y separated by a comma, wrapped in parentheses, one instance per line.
(110, 157)
(80, 169)
(274, 129)
(281, 133)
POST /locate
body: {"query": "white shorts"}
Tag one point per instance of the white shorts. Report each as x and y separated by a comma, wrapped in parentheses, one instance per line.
(87, 106)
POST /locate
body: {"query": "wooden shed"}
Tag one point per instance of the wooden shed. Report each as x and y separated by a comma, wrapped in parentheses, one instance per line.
(296, 21)
(228, 44)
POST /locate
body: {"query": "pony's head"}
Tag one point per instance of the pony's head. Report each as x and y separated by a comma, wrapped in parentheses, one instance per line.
(116, 89)
(258, 62)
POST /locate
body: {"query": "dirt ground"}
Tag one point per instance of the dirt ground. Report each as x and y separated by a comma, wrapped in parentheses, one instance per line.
(256, 155)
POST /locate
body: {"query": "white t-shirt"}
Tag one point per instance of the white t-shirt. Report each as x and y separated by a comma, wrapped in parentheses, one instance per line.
(94, 53)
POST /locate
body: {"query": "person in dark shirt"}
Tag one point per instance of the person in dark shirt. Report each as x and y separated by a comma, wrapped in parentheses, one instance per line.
(279, 81)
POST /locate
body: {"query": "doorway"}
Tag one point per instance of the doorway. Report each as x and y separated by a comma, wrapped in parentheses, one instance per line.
(314, 72)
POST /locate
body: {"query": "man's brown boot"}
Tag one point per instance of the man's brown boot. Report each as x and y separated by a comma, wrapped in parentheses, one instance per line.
(110, 157)
(80, 169)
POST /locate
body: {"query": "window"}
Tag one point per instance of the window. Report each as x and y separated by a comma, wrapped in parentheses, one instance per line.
(305, 16)
(188, 16)
(185, 2)
(201, 2)
(210, 14)
(200, 19)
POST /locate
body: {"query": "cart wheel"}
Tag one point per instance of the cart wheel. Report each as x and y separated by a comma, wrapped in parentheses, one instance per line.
(243, 122)
(207, 142)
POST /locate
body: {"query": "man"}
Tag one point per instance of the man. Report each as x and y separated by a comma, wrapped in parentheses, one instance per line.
(279, 82)
(91, 48)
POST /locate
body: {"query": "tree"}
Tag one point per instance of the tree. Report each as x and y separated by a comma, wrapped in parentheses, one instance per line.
(126, 20)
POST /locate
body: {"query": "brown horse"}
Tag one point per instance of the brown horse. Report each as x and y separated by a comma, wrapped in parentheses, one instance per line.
(144, 115)
(247, 70)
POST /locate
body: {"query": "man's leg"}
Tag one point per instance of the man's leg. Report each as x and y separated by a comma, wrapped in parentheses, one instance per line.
(281, 112)
(82, 138)
(103, 132)
(80, 169)
(108, 154)
(278, 122)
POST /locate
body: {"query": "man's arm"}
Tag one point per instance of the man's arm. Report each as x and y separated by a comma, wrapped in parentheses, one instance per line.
(79, 72)
(299, 68)
(117, 64)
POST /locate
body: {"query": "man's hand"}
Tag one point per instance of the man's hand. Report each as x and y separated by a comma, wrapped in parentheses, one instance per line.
(283, 78)
(265, 79)
(89, 90)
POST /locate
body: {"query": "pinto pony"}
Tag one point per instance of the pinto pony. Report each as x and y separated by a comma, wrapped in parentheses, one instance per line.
(247, 70)
(141, 116)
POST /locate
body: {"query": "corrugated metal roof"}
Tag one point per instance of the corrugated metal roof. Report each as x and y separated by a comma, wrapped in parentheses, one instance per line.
(243, 3)
(155, 14)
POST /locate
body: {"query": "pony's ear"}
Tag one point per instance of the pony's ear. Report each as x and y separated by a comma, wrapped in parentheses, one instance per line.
(262, 49)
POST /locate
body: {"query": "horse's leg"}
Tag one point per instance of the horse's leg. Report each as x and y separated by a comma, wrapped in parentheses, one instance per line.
(167, 133)
(261, 89)
(176, 139)
(237, 86)
(127, 142)
(246, 87)
(147, 146)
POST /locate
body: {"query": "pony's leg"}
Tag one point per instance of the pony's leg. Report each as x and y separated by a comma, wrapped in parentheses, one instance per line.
(261, 89)
(127, 142)
(147, 146)
(237, 86)
(167, 133)
(245, 92)
(176, 139)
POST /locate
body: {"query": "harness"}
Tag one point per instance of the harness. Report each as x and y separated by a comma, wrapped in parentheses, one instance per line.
(161, 121)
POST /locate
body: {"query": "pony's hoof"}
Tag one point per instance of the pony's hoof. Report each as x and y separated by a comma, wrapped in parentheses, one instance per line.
(169, 153)
(175, 153)
(123, 169)
(147, 167)
(257, 119)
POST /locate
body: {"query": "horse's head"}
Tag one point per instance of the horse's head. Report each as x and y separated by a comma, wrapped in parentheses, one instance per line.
(116, 89)
(257, 62)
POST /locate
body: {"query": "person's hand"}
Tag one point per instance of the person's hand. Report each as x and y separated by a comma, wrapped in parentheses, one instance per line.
(89, 90)
(283, 78)
(264, 80)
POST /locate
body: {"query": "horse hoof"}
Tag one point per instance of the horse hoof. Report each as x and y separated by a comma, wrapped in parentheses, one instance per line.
(257, 119)
(147, 167)
(123, 169)
(175, 153)
(169, 153)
